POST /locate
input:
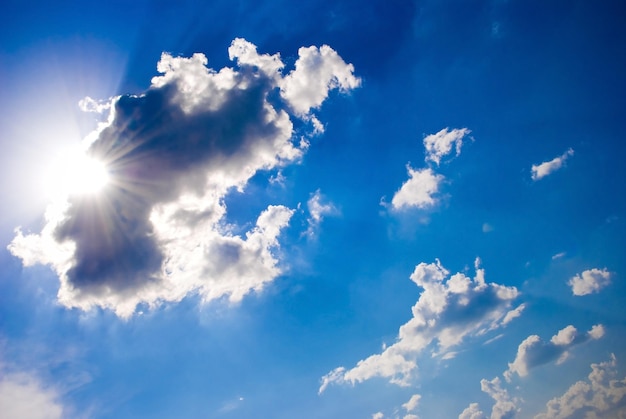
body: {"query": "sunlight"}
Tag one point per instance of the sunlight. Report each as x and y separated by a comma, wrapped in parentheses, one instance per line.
(75, 173)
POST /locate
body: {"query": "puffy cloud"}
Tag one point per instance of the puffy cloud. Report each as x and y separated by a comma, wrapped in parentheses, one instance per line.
(472, 412)
(539, 171)
(23, 395)
(419, 191)
(449, 310)
(600, 396)
(317, 71)
(378, 415)
(318, 208)
(533, 351)
(157, 230)
(590, 281)
(505, 406)
(441, 144)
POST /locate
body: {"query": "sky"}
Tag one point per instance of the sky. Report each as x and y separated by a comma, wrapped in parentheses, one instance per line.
(390, 209)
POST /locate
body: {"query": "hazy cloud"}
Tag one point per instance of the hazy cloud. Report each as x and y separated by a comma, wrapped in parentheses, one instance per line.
(544, 169)
(449, 310)
(533, 351)
(441, 144)
(412, 404)
(157, 232)
(600, 396)
(318, 208)
(24, 396)
(590, 281)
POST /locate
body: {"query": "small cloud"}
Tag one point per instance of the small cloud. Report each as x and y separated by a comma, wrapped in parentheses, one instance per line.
(411, 405)
(558, 255)
(513, 314)
(472, 412)
(505, 406)
(442, 143)
(23, 395)
(544, 169)
(378, 415)
(418, 191)
(487, 228)
(318, 209)
(533, 351)
(590, 281)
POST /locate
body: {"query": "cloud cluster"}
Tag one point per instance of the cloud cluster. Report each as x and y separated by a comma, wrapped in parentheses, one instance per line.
(421, 189)
(533, 351)
(157, 231)
(590, 281)
(542, 170)
(449, 310)
(601, 396)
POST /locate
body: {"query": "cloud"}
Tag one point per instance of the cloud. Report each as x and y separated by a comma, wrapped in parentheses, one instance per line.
(544, 169)
(590, 281)
(472, 412)
(318, 209)
(412, 404)
(23, 395)
(317, 71)
(157, 231)
(449, 310)
(533, 351)
(601, 395)
(558, 255)
(441, 144)
(505, 407)
(378, 415)
(419, 191)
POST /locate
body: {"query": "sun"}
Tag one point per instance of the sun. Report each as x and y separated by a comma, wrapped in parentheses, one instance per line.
(75, 173)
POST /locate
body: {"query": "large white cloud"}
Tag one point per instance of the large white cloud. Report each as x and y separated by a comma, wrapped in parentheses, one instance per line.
(449, 310)
(157, 232)
(590, 281)
(542, 170)
(419, 190)
(440, 144)
(533, 351)
(600, 396)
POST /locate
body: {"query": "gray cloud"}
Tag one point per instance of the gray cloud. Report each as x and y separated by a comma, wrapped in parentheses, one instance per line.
(155, 232)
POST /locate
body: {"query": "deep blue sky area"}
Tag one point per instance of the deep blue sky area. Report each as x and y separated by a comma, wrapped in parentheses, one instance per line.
(305, 235)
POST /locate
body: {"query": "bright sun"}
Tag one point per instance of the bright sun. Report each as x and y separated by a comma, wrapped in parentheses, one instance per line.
(76, 173)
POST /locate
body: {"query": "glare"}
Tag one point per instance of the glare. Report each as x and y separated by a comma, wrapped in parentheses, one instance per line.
(73, 173)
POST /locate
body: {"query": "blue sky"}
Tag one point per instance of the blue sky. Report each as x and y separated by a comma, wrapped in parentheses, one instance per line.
(395, 209)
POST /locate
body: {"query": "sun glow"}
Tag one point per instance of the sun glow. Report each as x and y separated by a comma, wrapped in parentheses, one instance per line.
(75, 173)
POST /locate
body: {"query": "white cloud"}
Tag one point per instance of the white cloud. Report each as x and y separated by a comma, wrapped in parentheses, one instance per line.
(24, 396)
(157, 231)
(505, 406)
(317, 71)
(533, 351)
(318, 208)
(419, 190)
(441, 144)
(472, 412)
(513, 314)
(378, 415)
(558, 255)
(601, 396)
(412, 404)
(449, 310)
(544, 169)
(590, 281)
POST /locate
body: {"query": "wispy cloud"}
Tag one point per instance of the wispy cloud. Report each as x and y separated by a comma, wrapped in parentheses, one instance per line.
(441, 144)
(318, 208)
(156, 232)
(539, 171)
